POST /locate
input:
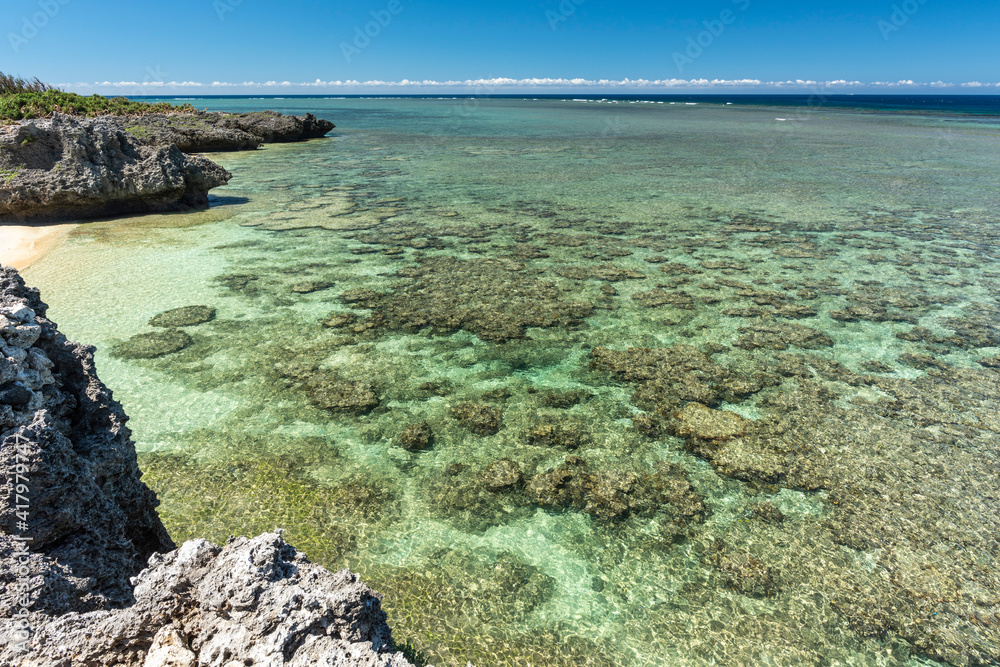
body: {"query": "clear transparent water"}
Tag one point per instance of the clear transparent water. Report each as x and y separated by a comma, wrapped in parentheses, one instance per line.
(539, 197)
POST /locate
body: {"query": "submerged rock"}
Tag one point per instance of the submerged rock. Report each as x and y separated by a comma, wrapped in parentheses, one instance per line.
(338, 320)
(501, 474)
(474, 500)
(478, 418)
(780, 336)
(700, 421)
(564, 399)
(558, 434)
(328, 391)
(743, 572)
(991, 362)
(496, 299)
(311, 286)
(416, 437)
(152, 345)
(613, 493)
(668, 378)
(185, 316)
(767, 512)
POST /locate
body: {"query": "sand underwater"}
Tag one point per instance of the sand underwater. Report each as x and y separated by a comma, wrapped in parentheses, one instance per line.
(585, 384)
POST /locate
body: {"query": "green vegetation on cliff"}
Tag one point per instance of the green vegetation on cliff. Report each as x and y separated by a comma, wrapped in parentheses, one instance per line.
(22, 99)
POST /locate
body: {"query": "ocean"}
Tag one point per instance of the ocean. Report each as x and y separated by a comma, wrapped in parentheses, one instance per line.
(587, 380)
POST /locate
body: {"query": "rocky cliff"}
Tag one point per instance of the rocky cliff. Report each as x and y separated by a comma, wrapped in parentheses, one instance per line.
(78, 527)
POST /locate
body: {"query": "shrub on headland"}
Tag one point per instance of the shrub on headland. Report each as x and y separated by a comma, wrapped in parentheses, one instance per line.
(22, 99)
(15, 84)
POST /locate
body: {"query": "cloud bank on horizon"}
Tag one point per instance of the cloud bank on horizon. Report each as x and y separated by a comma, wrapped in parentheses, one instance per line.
(502, 85)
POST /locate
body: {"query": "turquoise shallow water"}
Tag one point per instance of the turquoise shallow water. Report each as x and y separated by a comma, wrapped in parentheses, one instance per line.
(556, 289)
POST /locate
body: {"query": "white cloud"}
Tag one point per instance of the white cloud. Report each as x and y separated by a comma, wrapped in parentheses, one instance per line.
(506, 84)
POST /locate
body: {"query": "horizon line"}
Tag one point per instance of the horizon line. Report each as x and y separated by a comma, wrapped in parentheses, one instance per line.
(491, 85)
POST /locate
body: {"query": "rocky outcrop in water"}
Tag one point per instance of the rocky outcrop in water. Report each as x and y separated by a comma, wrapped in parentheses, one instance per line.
(77, 527)
(214, 131)
(67, 167)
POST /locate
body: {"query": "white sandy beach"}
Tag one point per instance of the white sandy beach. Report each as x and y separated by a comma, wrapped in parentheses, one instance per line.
(22, 245)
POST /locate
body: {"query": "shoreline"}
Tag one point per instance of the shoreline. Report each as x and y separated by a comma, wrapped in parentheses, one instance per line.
(23, 245)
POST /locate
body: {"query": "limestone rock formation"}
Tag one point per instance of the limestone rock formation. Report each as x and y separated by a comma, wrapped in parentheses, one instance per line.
(214, 131)
(91, 520)
(254, 602)
(68, 167)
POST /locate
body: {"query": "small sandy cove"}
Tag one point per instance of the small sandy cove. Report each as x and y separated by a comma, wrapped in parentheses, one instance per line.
(22, 245)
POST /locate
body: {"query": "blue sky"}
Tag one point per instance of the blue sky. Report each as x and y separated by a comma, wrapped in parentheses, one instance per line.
(236, 46)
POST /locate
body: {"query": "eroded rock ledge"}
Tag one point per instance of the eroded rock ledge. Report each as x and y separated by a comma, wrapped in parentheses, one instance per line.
(91, 529)
(67, 167)
(205, 131)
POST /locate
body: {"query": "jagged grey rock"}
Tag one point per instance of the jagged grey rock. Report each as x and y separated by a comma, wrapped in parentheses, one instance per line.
(204, 131)
(67, 167)
(254, 602)
(92, 528)
(92, 520)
